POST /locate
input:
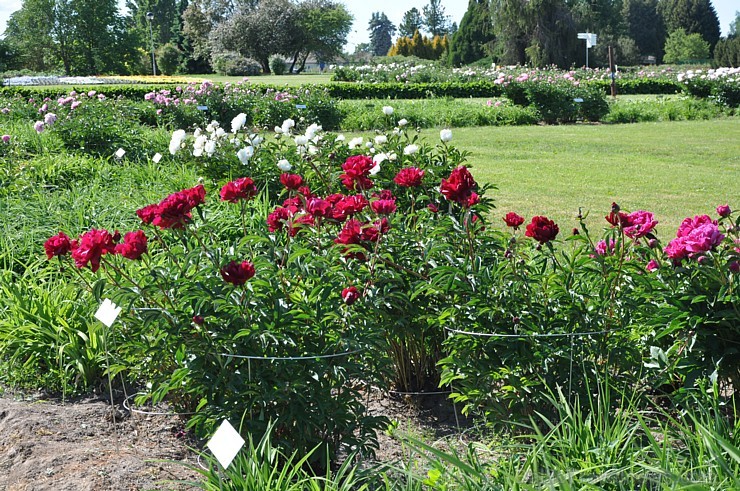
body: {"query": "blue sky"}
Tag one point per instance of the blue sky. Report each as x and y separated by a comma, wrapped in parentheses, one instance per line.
(394, 9)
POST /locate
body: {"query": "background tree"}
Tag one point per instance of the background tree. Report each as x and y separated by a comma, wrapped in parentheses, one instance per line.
(100, 37)
(412, 21)
(475, 37)
(166, 23)
(435, 20)
(693, 16)
(511, 30)
(381, 33)
(645, 26)
(322, 29)
(270, 28)
(727, 52)
(28, 33)
(681, 47)
(734, 25)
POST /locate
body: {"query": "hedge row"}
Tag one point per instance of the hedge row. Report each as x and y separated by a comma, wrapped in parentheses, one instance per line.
(480, 88)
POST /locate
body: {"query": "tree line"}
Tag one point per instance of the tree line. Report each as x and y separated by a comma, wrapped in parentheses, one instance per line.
(544, 32)
(83, 37)
(244, 37)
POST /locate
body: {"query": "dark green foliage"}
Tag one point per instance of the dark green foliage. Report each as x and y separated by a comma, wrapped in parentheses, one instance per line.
(561, 103)
(412, 22)
(693, 16)
(381, 33)
(645, 26)
(232, 63)
(727, 52)
(473, 40)
(435, 20)
(168, 58)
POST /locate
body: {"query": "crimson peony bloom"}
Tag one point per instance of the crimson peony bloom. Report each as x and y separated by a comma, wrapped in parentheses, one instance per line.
(318, 207)
(356, 171)
(409, 177)
(513, 220)
(724, 211)
(384, 206)
(237, 273)
(277, 218)
(174, 210)
(347, 206)
(59, 245)
(459, 187)
(350, 295)
(240, 189)
(133, 246)
(198, 319)
(91, 247)
(351, 233)
(291, 181)
(542, 229)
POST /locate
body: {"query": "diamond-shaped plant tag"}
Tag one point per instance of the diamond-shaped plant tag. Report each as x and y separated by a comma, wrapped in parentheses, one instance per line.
(157, 157)
(107, 312)
(120, 153)
(225, 444)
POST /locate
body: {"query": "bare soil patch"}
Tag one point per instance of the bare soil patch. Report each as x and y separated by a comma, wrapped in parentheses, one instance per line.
(47, 444)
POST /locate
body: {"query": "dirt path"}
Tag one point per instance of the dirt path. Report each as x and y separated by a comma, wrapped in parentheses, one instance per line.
(47, 445)
(74, 446)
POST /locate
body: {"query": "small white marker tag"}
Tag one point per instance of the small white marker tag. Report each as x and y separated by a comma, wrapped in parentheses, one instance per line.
(202, 108)
(107, 312)
(225, 444)
(120, 153)
(157, 157)
(300, 106)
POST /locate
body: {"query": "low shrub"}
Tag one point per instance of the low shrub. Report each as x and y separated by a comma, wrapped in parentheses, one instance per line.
(278, 65)
(230, 63)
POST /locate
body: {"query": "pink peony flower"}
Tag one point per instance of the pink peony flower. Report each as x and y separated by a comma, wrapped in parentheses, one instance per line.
(639, 224)
(724, 211)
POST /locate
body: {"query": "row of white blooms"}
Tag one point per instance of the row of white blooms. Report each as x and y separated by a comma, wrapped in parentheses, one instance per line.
(206, 143)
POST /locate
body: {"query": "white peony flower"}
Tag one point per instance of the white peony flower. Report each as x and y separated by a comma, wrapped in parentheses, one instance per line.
(410, 149)
(355, 142)
(210, 147)
(245, 154)
(301, 140)
(200, 142)
(278, 130)
(312, 130)
(257, 140)
(402, 122)
(284, 165)
(287, 125)
(339, 138)
(238, 122)
(381, 139)
(178, 137)
(387, 110)
(445, 135)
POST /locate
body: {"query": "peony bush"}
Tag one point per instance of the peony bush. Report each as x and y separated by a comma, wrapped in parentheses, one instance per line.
(308, 268)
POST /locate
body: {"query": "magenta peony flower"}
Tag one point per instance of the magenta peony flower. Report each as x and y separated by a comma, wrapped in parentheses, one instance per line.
(91, 247)
(59, 245)
(237, 273)
(240, 189)
(134, 245)
(722, 210)
(409, 177)
(639, 223)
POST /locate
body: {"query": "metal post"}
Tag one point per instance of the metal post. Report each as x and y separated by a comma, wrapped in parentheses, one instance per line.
(150, 18)
(612, 70)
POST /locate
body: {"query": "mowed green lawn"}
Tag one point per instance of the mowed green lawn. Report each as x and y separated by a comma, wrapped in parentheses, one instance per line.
(674, 169)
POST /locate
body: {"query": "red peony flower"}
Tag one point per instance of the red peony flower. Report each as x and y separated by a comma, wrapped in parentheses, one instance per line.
(301, 221)
(195, 196)
(542, 229)
(237, 273)
(240, 189)
(372, 233)
(291, 181)
(350, 295)
(278, 218)
(133, 246)
(348, 206)
(91, 247)
(356, 171)
(198, 319)
(351, 233)
(459, 186)
(59, 245)
(148, 213)
(409, 177)
(384, 206)
(318, 207)
(513, 220)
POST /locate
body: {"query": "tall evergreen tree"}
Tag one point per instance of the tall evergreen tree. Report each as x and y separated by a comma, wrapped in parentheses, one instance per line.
(510, 27)
(435, 20)
(412, 21)
(693, 16)
(473, 40)
(645, 26)
(381, 33)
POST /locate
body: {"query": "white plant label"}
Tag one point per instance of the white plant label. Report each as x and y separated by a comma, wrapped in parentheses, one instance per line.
(225, 444)
(157, 157)
(107, 312)
(120, 153)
